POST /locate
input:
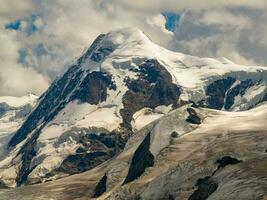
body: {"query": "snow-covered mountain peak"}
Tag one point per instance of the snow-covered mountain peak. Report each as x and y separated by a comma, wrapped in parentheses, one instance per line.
(120, 84)
(127, 35)
(116, 47)
(129, 47)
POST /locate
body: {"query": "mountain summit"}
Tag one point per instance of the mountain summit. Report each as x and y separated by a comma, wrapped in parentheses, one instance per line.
(119, 85)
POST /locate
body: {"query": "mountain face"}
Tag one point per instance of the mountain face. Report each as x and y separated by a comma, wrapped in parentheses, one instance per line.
(121, 84)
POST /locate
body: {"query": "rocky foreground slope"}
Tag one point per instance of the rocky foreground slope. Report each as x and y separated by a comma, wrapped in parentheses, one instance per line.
(122, 83)
(191, 153)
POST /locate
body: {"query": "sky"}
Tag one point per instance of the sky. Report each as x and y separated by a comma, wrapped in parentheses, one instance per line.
(40, 38)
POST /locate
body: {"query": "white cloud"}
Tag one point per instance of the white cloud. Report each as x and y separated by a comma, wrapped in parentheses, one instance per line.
(224, 18)
(13, 9)
(14, 78)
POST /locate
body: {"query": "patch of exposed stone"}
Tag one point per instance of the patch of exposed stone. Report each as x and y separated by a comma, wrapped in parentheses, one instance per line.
(94, 149)
(207, 185)
(152, 88)
(142, 159)
(93, 88)
(27, 153)
(174, 134)
(227, 160)
(194, 117)
(101, 187)
(98, 51)
(216, 92)
(221, 93)
(239, 89)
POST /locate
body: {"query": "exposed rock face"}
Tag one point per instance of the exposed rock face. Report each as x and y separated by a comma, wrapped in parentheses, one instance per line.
(238, 89)
(207, 185)
(153, 87)
(142, 159)
(222, 93)
(264, 98)
(95, 150)
(216, 92)
(193, 117)
(174, 134)
(101, 187)
(27, 152)
(94, 88)
(227, 160)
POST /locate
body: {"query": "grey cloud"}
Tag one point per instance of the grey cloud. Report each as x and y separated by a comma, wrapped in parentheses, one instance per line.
(233, 33)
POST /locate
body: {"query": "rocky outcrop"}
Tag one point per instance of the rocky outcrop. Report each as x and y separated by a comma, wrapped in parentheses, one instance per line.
(222, 93)
(216, 92)
(93, 88)
(142, 159)
(239, 89)
(194, 117)
(207, 185)
(152, 88)
(94, 150)
(101, 187)
(227, 160)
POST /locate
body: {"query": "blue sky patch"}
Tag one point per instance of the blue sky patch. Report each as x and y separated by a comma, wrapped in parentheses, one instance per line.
(171, 20)
(29, 29)
(13, 25)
